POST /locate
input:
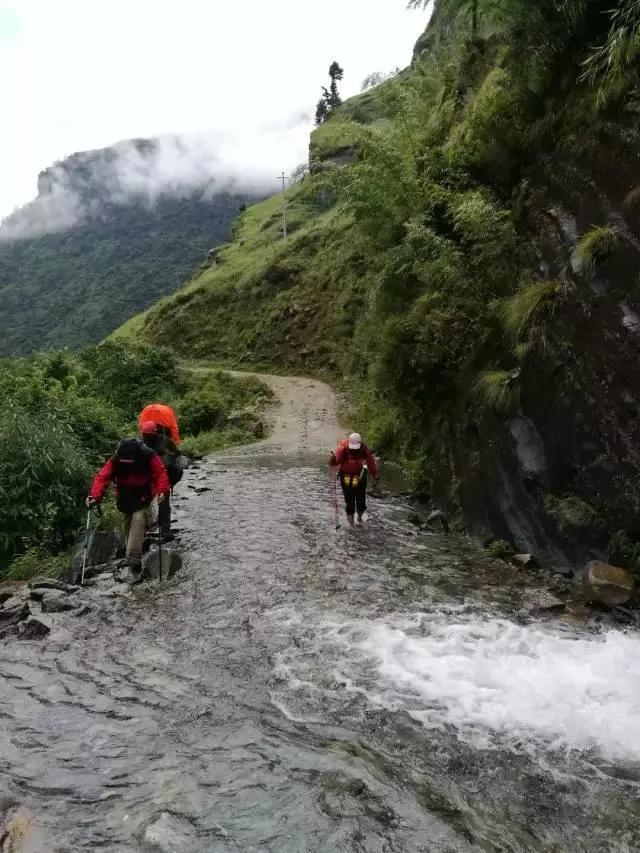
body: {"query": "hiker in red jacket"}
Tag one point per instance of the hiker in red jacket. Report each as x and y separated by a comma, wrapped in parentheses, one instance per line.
(351, 461)
(139, 476)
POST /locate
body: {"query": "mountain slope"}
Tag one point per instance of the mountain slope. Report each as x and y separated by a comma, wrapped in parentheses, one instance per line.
(464, 258)
(91, 251)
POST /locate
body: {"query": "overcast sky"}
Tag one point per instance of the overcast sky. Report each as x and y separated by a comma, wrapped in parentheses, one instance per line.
(82, 74)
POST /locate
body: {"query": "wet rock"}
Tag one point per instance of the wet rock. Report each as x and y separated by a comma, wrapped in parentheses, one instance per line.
(33, 629)
(92, 572)
(526, 560)
(51, 583)
(84, 610)
(13, 611)
(104, 547)
(437, 518)
(5, 595)
(56, 601)
(7, 632)
(543, 602)
(608, 585)
(171, 834)
(171, 563)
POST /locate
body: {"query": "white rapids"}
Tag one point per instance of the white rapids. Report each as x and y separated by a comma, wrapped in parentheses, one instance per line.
(490, 679)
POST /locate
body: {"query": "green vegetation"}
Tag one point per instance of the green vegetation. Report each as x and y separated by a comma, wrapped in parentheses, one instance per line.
(625, 551)
(62, 416)
(594, 248)
(499, 390)
(330, 100)
(81, 283)
(428, 270)
(499, 549)
(571, 512)
(525, 313)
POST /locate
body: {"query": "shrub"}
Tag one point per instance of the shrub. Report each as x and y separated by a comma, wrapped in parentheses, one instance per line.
(531, 306)
(594, 248)
(43, 480)
(37, 562)
(498, 390)
(130, 376)
(199, 411)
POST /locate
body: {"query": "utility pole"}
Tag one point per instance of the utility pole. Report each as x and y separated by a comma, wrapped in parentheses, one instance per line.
(283, 178)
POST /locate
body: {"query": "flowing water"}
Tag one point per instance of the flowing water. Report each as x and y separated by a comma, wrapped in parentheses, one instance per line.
(298, 689)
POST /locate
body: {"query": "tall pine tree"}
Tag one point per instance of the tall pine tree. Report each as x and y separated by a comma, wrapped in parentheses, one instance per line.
(330, 99)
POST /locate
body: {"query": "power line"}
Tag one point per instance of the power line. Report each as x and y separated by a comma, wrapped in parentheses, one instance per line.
(284, 178)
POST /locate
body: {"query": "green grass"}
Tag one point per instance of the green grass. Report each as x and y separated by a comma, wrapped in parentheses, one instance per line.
(499, 390)
(531, 307)
(594, 248)
(37, 563)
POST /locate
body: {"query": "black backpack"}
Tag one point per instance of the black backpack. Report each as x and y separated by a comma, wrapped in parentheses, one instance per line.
(132, 457)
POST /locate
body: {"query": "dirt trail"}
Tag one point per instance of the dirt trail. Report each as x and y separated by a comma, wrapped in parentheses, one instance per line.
(303, 417)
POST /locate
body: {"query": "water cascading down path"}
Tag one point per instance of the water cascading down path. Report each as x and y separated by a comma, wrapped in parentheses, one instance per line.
(297, 689)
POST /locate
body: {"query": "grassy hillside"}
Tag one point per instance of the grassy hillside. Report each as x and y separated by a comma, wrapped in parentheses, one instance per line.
(74, 286)
(464, 258)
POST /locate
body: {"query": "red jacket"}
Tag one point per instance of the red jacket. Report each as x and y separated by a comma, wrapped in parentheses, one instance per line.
(352, 461)
(155, 477)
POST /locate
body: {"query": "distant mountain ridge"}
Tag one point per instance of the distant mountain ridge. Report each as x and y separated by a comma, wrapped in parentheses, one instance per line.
(110, 232)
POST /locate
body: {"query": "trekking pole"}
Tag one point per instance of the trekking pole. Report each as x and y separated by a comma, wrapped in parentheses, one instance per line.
(86, 546)
(95, 507)
(159, 550)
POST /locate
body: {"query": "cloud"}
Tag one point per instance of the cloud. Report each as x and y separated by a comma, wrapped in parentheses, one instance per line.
(83, 186)
(84, 74)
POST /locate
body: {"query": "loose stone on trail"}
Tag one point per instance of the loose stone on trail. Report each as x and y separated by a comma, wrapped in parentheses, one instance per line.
(608, 585)
(56, 601)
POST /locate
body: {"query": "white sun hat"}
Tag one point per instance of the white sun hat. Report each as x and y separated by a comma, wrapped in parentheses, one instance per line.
(355, 441)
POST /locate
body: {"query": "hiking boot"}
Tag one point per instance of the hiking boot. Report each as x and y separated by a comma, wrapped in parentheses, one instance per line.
(135, 570)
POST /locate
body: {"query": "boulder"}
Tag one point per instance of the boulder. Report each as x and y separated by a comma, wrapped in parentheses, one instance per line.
(13, 611)
(55, 601)
(608, 585)
(104, 546)
(51, 583)
(5, 595)
(33, 629)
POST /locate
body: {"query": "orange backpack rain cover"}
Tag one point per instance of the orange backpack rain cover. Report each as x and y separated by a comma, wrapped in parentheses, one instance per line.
(162, 415)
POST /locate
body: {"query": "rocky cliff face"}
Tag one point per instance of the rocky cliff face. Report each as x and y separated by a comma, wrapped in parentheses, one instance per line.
(559, 476)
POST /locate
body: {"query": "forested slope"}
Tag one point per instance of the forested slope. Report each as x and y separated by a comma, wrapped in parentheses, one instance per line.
(108, 259)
